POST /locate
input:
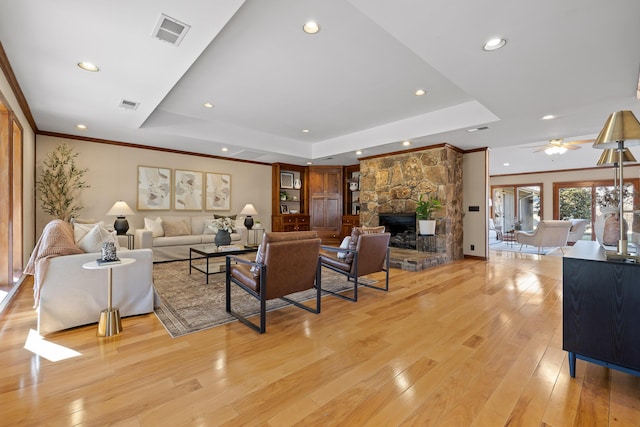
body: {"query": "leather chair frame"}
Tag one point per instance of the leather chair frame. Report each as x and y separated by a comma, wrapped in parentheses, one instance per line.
(353, 273)
(264, 292)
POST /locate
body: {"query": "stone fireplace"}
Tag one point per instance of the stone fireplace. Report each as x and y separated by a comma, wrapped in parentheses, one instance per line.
(402, 227)
(391, 184)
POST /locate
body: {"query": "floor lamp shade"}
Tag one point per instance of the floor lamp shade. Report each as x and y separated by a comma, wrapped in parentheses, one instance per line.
(248, 210)
(622, 128)
(120, 209)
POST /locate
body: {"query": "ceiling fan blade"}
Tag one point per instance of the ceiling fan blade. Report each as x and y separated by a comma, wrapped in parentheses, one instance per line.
(580, 141)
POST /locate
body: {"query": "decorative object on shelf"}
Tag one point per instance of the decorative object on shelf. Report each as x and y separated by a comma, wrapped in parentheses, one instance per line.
(248, 210)
(120, 209)
(286, 180)
(424, 210)
(284, 195)
(293, 211)
(621, 127)
(354, 185)
(217, 192)
(154, 188)
(60, 183)
(297, 183)
(108, 252)
(187, 190)
(284, 209)
(223, 238)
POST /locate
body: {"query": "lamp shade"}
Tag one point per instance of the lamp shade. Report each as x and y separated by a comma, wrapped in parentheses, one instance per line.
(610, 157)
(248, 210)
(621, 126)
(120, 208)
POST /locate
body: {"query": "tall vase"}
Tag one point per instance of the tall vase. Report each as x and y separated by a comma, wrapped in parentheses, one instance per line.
(223, 238)
(607, 226)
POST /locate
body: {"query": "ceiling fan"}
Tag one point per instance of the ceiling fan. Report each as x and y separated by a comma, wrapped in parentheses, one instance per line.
(559, 146)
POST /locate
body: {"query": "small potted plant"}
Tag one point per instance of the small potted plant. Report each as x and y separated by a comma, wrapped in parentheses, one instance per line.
(284, 195)
(424, 210)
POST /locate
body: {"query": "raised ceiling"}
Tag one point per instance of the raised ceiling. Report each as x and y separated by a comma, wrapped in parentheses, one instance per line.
(351, 85)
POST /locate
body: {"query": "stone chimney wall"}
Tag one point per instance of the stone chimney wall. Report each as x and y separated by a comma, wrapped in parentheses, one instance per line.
(392, 184)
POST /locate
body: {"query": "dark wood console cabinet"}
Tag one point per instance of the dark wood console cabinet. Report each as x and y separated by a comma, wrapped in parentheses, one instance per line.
(600, 303)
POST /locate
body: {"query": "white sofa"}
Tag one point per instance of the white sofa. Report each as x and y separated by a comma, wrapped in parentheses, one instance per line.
(176, 247)
(73, 296)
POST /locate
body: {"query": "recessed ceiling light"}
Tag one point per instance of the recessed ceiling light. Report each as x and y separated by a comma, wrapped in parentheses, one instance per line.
(359, 152)
(305, 131)
(88, 66)
(420, 92)
(548, 117)
(207, 105)
(81, 127)
(225, 149)
(311, 27)
(309, 163)
(477, 129)
(506, 164)
(494, 44)
(406, 143)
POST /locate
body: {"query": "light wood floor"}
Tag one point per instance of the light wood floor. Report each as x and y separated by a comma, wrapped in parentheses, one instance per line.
(472, 343)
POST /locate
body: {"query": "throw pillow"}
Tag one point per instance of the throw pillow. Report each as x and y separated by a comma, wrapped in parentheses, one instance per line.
(92, 241)
(355, 234)
(208, 223)
(175, 228)
(81, 229)
(216, 216)
(344, 245)
(155, 226)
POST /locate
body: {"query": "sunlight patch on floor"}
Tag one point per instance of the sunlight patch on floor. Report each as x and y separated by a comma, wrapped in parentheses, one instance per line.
(53, 352)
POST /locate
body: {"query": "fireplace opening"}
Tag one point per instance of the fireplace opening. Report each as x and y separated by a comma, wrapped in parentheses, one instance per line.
(402, 227)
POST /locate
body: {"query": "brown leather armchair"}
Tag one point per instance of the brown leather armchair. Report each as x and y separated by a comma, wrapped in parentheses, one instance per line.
(285, 263)
(371, 254)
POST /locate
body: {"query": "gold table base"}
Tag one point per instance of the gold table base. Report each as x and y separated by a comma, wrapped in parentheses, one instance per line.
(110, 323)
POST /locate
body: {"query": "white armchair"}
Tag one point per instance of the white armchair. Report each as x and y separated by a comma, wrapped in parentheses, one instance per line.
(550, 233)
(577, 230)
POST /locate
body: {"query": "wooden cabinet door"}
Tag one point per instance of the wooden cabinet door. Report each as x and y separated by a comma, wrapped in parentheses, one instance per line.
(325, 187)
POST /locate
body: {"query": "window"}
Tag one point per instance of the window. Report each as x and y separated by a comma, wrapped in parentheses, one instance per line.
(585, 200)
(11, 221)
(516, 206)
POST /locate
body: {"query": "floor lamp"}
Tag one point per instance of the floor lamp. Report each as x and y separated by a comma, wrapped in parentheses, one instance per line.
(622, 128)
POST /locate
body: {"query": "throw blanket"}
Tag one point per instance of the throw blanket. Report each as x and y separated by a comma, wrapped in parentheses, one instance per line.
(56, 239)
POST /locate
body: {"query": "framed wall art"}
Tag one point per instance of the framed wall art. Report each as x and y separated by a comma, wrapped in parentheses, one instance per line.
(188, 190)
(217, 192)
(284, 209)
(154, 188)
(286, 180)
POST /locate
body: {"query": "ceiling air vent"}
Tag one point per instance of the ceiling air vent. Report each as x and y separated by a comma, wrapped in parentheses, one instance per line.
(170, 30)
(129, 105)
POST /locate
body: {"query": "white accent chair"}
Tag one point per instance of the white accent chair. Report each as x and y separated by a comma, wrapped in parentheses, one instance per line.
(549, 234)
(577, 230)
(495, 232)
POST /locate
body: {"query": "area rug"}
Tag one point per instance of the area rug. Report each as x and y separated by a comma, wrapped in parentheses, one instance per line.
(526, 249)
(187, 304)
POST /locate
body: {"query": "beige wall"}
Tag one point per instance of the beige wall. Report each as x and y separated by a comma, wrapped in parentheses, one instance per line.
(475, 193)
(113, 172)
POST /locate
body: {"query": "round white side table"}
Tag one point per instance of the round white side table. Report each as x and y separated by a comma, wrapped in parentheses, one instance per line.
(109, 323)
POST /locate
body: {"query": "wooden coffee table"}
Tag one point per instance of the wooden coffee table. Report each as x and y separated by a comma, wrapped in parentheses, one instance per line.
(212, 251)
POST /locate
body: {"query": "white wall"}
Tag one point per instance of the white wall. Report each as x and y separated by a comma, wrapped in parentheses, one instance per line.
(113, 174)
(475, 193)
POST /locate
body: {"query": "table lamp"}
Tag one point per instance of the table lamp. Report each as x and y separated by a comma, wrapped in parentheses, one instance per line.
(120, 209)
(621, 128)
(248, 210)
